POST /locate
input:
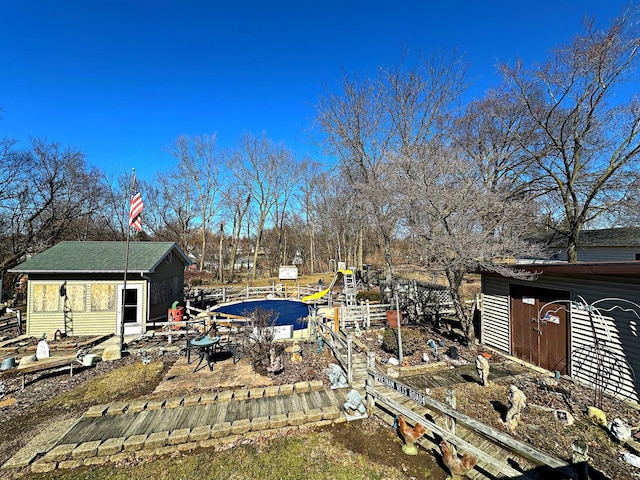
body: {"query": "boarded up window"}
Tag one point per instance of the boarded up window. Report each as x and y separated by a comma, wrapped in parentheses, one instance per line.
(46, 297)
(75, 294)
(103, 297)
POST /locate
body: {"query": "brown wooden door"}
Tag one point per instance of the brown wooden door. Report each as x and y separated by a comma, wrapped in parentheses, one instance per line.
(540, 327)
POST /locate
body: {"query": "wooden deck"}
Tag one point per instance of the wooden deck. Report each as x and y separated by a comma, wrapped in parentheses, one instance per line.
(164, 419)
(464, 374)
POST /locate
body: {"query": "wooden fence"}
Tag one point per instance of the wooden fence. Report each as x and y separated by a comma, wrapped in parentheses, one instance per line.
(11, 324)
(230, 294)
(380, 397)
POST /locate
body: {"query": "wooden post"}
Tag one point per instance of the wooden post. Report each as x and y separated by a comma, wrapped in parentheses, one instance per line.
(371, 363)
(451, 401)
(349, 358)
(368, 314)
(336, 319)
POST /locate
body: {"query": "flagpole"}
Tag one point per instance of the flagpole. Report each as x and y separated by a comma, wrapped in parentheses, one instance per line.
(126, 262)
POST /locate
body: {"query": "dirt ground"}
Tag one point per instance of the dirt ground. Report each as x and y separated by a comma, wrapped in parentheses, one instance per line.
(23, 412)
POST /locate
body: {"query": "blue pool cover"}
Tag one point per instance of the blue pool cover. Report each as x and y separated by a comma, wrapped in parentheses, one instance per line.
(288, 312)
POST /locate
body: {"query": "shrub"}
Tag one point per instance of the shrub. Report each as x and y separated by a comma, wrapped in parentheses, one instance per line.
(371, 295)
(412, 341)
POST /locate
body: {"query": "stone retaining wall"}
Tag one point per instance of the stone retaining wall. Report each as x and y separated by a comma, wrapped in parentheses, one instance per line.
(114, 450)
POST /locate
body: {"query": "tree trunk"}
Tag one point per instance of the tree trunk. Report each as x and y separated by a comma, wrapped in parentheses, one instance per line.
(258, 238)
(572, 248)
(220, 259)
(455, 278)
(387, 259)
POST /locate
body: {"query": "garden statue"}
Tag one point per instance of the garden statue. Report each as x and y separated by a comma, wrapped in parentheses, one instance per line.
(354, 408)
(275, 363)
(336, 376)
(517, 403)
(295, 349)
(42, 350)
(482, 367)
(619, 430)
(358, 332)
(433, 345)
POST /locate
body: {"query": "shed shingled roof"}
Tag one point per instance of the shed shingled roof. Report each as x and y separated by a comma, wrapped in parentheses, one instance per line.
(105, 257)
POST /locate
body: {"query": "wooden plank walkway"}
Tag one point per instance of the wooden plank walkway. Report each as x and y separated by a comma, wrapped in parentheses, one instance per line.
(464, 374)
(146, 422)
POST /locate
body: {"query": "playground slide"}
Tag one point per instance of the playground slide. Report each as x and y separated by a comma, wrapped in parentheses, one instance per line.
(322, 293)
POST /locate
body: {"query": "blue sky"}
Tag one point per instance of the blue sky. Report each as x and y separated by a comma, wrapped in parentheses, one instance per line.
(120, 80)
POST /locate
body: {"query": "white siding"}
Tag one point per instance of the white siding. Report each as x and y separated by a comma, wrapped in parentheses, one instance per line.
(495, 331)
(603, 352)
(83, 321)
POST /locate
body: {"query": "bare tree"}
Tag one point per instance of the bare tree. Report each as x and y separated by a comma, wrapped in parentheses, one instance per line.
(173, 213)
(372, 120)
(456, 223)
(49, 194)
(266, 170)
(236, 201)
(586, 123)
(199, 168)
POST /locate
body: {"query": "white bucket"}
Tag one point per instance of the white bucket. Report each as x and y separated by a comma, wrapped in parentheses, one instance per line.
(89, 360)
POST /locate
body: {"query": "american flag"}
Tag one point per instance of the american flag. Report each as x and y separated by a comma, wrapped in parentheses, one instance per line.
(135, 207)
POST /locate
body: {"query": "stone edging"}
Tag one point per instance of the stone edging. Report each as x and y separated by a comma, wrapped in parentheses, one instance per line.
(100, 452)
(118, 408)
(115, 450)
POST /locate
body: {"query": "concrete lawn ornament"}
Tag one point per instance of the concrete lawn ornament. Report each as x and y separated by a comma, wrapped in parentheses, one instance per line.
(295, 349)
(336, 376)
(275, 362)
(42, 350)
(354, 408)
(482, 367)
(517, 403)
(620, 430)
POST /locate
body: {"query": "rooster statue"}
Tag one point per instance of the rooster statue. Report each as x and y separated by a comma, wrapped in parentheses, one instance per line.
(457, 466)
(410, 435)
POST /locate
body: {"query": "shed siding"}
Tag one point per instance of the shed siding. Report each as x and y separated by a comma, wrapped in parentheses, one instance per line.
(617, 332)
(167, 286)
(83, 322)
(495, 330)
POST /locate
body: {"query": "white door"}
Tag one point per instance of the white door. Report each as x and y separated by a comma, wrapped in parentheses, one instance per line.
(131, 311)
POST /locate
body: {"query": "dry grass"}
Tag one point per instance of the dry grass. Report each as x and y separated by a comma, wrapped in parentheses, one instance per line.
(125, 382)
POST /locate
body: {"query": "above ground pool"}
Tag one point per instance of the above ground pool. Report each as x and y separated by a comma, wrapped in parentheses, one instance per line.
(288, 312)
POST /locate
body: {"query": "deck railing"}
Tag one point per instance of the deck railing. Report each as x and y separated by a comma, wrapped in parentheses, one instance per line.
(342, 348)
(230, 294)
(454, 419)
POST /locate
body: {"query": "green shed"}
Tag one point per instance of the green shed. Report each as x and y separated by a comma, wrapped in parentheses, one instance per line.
(77, 287)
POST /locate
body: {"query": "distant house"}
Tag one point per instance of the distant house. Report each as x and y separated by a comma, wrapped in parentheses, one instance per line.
(581, 319)
(609, 244)
(77, 287)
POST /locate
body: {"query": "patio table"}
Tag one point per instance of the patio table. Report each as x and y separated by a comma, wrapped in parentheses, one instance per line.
(206, 349)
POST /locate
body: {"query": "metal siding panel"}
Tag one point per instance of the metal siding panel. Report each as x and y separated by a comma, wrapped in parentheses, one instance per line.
(613, 254)
(495, 313)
